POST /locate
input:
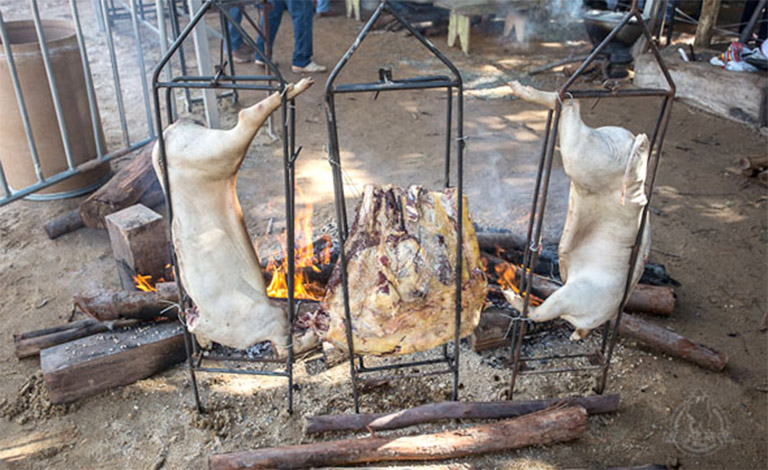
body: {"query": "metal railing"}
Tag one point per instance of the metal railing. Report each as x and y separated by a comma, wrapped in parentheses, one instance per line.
(124, 66)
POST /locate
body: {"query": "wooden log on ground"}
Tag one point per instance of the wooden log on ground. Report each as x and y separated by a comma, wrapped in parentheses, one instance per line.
(90, 365)
(546, 427)
(139, 239)
(31, 343)
(763, 177)
(123, 190)
(548, 264)
(107, 305)
(750, 166)
(491, 333)
(63, 224)
(671, 343)
(656, 300)
(71, 221)
(433, 412)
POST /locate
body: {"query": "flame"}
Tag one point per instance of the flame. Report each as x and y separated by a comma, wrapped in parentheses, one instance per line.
(304, 259)
(507, 279)
(144, 283)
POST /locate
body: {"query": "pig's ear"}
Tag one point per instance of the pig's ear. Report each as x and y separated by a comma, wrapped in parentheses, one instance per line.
(637, 165)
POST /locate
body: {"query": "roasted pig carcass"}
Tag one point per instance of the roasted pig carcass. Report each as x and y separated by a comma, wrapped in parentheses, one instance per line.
(401, 271)
(218, 265)
(607, 167)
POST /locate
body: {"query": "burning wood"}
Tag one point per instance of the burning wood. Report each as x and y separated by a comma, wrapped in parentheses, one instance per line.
(107, 305)
(607, 167)
(218, 265)
(401, 254)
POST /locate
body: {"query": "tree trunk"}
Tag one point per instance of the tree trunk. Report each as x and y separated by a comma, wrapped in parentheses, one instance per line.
(546, 427)
(432, 412)
(707, 20)
(123, 190)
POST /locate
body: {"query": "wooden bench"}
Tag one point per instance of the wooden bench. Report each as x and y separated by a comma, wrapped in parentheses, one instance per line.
(515, 13)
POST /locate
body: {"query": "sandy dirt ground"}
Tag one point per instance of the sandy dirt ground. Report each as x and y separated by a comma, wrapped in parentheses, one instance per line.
(710, 229)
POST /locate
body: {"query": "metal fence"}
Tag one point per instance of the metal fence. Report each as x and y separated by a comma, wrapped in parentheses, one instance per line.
(110, 26)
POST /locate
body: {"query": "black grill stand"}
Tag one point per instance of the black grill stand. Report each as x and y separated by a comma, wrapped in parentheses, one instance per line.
(272, 81)
(602, 357)
(387, 83)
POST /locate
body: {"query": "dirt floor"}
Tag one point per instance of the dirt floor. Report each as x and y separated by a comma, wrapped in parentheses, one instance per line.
(710, 229)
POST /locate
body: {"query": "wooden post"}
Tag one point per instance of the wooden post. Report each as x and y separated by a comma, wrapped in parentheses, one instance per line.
(96, 363)
(707, 20)
(139, 238)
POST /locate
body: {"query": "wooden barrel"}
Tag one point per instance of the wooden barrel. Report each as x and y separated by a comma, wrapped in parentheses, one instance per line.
(67, 67)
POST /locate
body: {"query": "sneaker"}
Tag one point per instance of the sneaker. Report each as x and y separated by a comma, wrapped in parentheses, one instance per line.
(311, 67)
(262, 63)
(242, 55)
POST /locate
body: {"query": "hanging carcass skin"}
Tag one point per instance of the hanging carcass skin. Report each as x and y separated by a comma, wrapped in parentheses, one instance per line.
(218, 265)
(607, 168)
(401, 272)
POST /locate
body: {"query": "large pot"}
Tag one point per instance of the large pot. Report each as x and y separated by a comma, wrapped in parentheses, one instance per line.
(68, 73)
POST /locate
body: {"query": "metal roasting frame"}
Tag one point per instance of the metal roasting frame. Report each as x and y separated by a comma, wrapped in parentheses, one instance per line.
(533, 238)
(387, 83)
(272, 82)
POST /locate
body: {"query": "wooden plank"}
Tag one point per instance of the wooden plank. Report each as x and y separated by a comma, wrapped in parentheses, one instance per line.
(31, 343)
(96, 363)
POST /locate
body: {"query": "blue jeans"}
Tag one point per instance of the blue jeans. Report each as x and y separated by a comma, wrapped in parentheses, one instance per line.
(302, 13)
(323, 6)
(235, 39)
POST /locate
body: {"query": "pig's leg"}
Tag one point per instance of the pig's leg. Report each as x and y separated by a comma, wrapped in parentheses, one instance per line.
(252, 118)
(532, 95)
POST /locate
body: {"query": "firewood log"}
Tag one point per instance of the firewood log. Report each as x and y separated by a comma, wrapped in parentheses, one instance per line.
(124, 189)
(31, 343)
(750, 166)
(106, 305)
(71, 221)
(430, 413)
(545, 427)
(644, 298)
(494, 324)
(671, 343)
(763, 177)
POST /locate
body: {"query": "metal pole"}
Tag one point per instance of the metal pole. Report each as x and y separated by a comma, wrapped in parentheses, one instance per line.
(163, 33)
(115, 73)
(22, 108)
(459, 233)
(142, 69)
(92, 104)
(204, 66)
(52, 84)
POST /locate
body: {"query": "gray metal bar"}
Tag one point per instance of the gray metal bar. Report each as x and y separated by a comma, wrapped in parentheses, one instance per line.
(69, 173)
(162, 32)
(142, 69)
(115, 74)
(52, 84)
(98, 13)
(88, 82)
(204, 66)
(22, 109)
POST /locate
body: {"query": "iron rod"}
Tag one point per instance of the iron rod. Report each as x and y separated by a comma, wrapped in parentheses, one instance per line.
(400, 365)
(392, 86)
(142, 68)
(22, 109)
(115, 73)
(52, 84)
(92, 103)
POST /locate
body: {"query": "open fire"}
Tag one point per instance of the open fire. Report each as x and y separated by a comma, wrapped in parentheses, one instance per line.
(305, 260)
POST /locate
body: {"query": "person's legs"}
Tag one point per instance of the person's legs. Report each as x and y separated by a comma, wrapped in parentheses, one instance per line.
(235, 39)
(323, 6)
(302, 14)
(274, 18)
